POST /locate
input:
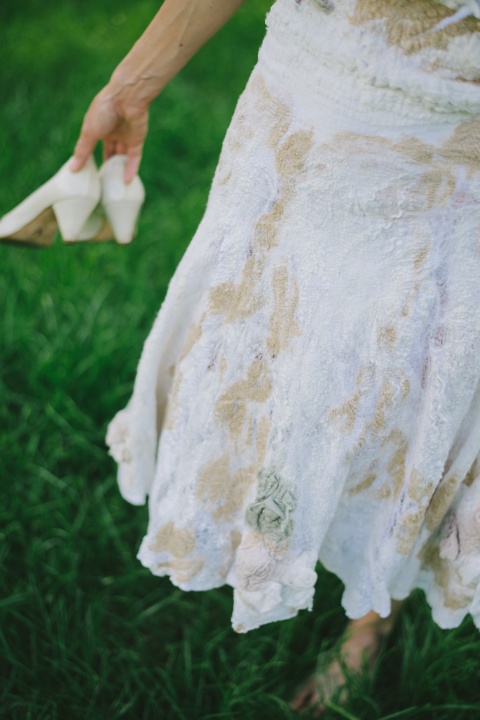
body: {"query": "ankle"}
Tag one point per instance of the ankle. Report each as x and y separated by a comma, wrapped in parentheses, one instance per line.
(373, 628)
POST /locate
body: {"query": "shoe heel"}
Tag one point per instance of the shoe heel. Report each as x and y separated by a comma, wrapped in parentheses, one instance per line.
(71, 215)
(122, 217)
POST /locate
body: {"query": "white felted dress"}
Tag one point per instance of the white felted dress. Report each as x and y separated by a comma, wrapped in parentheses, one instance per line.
(310, 389)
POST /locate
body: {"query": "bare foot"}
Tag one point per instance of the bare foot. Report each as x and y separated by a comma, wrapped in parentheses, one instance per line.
(359, 649)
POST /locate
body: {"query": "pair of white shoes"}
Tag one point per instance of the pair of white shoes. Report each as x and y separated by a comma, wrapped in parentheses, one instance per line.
(89, 204)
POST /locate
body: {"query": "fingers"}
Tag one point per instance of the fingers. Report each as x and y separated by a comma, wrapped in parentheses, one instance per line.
(134, 156)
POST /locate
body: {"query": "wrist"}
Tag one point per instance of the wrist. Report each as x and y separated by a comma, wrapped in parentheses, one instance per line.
(126, 90)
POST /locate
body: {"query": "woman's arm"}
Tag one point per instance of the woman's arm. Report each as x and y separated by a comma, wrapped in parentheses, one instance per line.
(118, 115)
(178, 30)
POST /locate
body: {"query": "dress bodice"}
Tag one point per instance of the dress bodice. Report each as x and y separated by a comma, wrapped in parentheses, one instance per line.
(468, 7)
(415, 59)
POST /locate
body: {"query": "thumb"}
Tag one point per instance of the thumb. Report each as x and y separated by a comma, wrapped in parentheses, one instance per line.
(83, 149)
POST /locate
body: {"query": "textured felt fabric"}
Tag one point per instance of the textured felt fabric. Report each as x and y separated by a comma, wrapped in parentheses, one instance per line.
(310, 387)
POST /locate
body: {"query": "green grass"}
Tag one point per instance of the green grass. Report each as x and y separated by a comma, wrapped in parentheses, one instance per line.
(85, 631)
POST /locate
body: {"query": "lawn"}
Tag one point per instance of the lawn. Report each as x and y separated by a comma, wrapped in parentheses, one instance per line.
(86, 633)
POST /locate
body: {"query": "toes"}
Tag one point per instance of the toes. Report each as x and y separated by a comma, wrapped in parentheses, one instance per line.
(307, 697)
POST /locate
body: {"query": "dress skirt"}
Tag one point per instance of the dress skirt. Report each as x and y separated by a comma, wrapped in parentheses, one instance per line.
(310, 389)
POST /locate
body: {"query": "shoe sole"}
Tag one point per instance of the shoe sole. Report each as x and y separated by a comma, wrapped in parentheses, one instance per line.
(38, 233)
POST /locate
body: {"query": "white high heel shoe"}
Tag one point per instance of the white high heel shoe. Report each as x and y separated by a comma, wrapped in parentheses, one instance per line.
(120, 206)
(66, 200)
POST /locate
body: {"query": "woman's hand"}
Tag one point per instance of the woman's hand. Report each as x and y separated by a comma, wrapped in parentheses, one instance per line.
(118, 115)
(123, 130)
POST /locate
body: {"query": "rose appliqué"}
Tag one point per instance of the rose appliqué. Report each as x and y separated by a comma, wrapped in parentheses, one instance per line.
(271, 513)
